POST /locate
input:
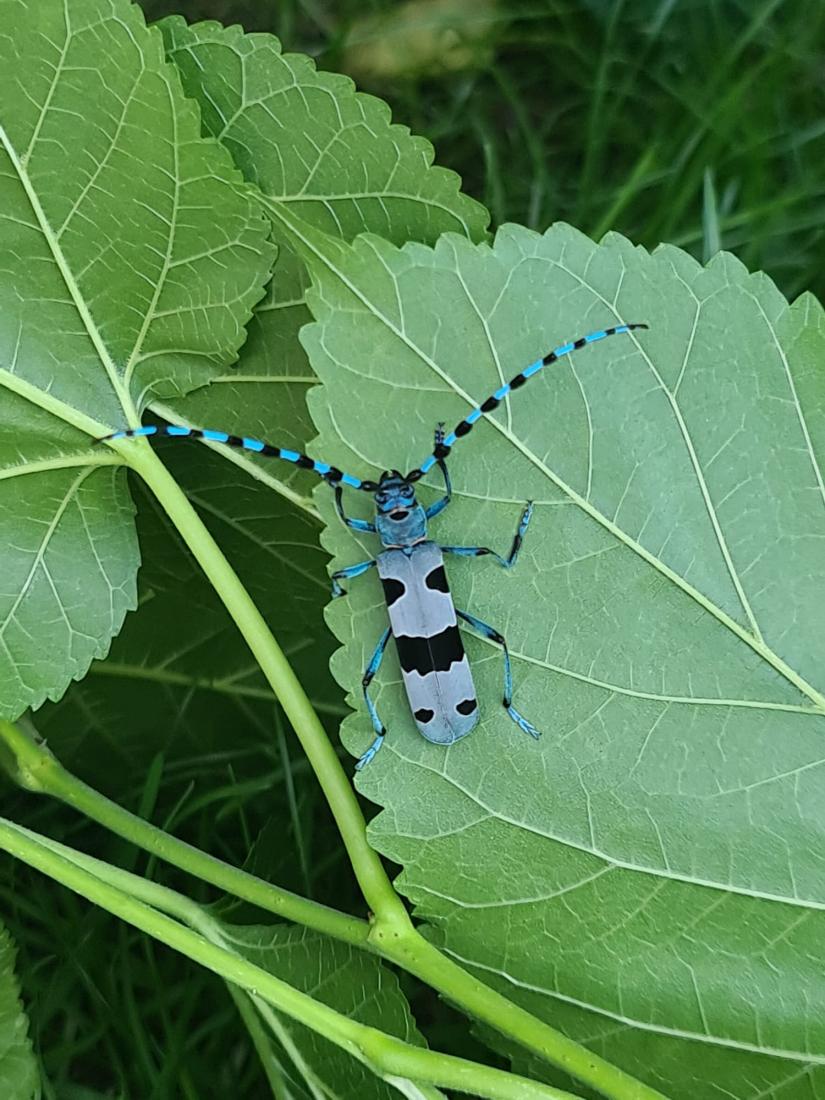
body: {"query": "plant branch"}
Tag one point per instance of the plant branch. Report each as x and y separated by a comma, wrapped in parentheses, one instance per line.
(385, 1055)
(256, 1014)
(36, 769)
(369, 871)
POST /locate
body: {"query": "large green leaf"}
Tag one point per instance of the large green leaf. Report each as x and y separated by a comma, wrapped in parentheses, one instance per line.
(18, 1069)
(340, 976)
(313, 145)
(649, 874)
(131, 261)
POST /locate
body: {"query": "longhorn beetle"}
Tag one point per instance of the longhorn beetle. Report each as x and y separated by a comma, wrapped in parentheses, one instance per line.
(423, 618)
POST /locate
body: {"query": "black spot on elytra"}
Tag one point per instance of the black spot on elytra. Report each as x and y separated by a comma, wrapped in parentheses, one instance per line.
(424, 715)
(393, 589)
(436, 580)
(434, 654)
(467, 706)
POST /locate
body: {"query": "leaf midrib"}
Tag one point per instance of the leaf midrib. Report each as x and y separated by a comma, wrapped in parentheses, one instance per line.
(656, 697)
(242, 460)
(643, 1025)
(661, 872)
(46, 401)
(39, 561)
(67, 275)
(64, 462)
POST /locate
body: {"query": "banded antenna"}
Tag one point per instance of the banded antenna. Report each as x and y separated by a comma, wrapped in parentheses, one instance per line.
(332, 474)
(443, 448)
(329, 473)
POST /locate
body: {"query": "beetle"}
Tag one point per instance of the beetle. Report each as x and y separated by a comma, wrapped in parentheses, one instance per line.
(423, 618)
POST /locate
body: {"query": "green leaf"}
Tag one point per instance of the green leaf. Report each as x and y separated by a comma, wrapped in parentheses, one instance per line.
(18, 1069)
(314, 146)
(311, 143)
(132, 258)
(342, 977)
(649, 874)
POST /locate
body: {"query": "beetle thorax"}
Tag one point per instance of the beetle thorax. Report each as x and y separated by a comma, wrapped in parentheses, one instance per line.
(399, 518)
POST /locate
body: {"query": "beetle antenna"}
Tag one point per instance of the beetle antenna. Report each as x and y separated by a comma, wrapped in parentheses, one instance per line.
(444, 446)
(329, 473)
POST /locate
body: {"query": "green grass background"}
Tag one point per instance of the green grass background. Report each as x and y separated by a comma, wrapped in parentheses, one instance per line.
(696, 122)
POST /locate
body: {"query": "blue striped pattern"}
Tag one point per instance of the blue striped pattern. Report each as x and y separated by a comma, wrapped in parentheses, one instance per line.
(338, 477)
(495, 399)
(176, 431)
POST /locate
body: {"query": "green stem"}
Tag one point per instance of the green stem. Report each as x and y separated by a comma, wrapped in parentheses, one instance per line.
(372, 878)
(383, 1054)
(36, 769)
(168, 901)
(260, 1040)
(250, 1008)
